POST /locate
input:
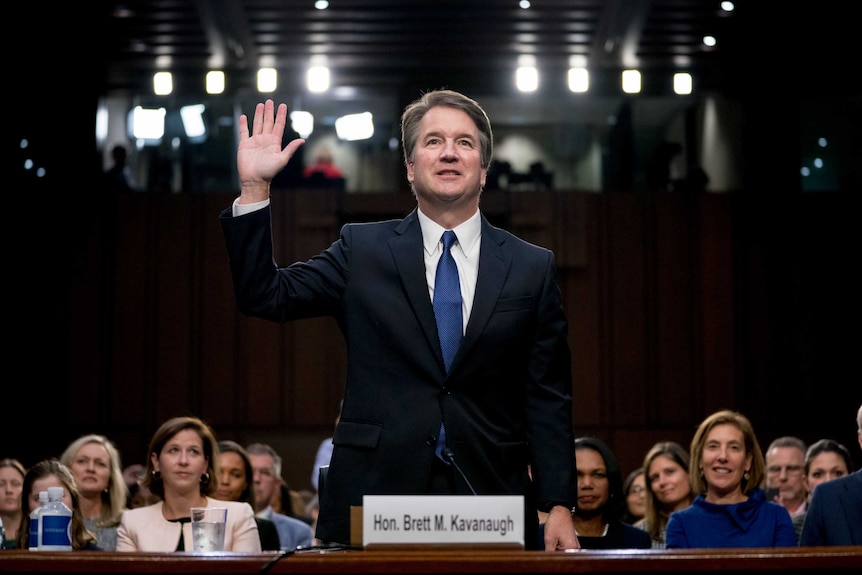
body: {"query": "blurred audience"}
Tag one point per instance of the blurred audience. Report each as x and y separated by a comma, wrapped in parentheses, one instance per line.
(182, 469)
(51, 473)
(834, 516)
(95, 464)
(598, 516)
(266, 464)
(11, 486)
(634, 490)
(825, 460)
(140, 496)
(785, 463)
(235, 484)
(730, 509)
(668, 488)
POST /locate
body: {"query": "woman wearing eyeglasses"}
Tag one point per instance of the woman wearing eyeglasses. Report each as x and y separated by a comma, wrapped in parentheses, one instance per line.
(634, 490)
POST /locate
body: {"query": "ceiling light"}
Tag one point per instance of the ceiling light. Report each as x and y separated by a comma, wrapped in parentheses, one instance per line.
(631, 81)
(163, 83)
(682, 83)
(355, 126)
(302, 123)
(148, 124)
(579, 80)
(193, 121)
(318, 79)
(527, 78)
(267, 80)
(215, 82)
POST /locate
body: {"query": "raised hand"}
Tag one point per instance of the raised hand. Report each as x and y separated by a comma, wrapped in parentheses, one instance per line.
(260, 157)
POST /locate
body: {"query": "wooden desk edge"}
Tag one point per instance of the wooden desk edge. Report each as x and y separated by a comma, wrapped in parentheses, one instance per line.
(441, 561)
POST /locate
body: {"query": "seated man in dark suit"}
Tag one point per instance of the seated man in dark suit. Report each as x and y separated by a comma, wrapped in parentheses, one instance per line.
(834, 514)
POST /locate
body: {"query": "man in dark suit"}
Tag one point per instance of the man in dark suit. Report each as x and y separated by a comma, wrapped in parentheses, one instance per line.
(501, 406)
(834, 514)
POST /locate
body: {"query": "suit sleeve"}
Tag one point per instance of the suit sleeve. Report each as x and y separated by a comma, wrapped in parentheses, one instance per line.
(812, 528)
(549, 400)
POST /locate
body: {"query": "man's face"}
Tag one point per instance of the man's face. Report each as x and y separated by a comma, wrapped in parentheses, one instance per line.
(266, 483)
(784, 470)
(446, 168)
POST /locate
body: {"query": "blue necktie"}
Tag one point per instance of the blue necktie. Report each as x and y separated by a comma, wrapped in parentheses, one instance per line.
(447, 301)
(447, 311)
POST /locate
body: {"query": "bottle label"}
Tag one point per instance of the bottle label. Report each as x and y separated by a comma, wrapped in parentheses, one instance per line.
(34, 533)
(56, 531)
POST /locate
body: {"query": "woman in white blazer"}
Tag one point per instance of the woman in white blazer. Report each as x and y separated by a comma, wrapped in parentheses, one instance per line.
(182, 470)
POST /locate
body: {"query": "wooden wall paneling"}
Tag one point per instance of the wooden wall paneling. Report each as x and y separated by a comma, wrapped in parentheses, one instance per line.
(89, 278)
(169, 308)
(628, 360)
(215, 339)
(716, 281)
(532, 216)
(262, 370)
(583, 299)
(569, 229)
(674, 308)
(318, 360)
(128, 342)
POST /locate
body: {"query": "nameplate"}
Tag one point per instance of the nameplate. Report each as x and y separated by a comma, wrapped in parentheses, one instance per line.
(471, 520)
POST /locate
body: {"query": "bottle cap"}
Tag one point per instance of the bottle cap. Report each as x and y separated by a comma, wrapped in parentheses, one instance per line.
(56, 493)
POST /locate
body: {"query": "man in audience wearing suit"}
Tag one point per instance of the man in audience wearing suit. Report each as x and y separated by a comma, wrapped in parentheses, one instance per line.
(425, 411)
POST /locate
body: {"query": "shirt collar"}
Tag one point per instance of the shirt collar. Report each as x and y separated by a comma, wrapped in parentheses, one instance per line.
(468, 233)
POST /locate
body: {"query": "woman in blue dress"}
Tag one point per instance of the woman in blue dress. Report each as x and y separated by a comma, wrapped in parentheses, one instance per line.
(730, 510)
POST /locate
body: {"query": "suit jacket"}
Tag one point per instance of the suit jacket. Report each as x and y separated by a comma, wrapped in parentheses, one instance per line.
(292, 532)
(506, 401)
(834, 514)
(146, 529)
(269, 539)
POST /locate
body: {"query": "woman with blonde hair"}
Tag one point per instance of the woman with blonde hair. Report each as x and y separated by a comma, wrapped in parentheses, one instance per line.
(182, 469)
(95, 463)
(12, 474)
(668, 488)
(730, 509)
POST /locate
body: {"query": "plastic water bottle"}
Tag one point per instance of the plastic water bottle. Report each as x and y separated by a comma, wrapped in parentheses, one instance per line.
(55, 523)
(35, 532)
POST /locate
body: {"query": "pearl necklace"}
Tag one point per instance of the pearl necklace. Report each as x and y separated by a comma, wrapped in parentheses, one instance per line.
(605, 532)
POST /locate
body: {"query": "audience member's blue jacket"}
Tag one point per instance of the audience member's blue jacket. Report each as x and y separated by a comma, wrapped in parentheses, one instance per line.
(752, 523)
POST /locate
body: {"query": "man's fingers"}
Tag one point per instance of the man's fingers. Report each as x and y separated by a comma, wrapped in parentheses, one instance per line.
(257, 126)
(281, 118)
(243, 127)
(268, 116)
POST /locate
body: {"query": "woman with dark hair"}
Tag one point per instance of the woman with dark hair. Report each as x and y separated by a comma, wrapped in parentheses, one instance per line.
(235, 483)
(634, 489)
(601, 504)
(182, 469)
(668, 488)
(825, 460)
(52, 473)
(730, 509)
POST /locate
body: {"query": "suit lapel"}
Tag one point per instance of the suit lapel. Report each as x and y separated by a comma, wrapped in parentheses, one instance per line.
(407, 251)
(494, 264)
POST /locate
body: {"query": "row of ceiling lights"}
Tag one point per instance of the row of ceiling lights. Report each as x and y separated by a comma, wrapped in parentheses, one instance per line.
(526, 80)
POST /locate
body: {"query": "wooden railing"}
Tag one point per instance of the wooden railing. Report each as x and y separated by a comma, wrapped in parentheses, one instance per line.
(738, 561)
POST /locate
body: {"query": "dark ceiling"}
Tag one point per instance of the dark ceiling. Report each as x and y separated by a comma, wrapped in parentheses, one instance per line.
(410, 45)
